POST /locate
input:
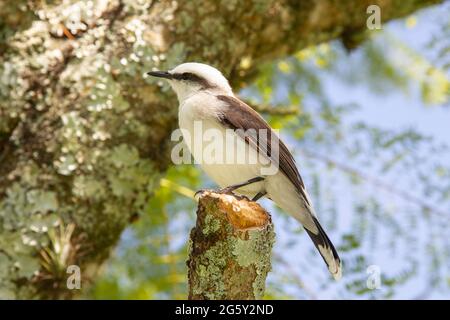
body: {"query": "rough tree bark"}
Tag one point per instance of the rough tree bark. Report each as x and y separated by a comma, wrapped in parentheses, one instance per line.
(230, 249)
(84, 137)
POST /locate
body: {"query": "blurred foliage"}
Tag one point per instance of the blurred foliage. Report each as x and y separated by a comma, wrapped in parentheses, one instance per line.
(384, 194)
(149, 263)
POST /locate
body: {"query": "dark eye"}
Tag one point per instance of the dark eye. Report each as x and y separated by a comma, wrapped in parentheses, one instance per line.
(187, 76)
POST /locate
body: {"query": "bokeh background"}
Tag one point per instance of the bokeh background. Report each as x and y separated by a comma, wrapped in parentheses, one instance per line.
(85, 171)
(370, 131)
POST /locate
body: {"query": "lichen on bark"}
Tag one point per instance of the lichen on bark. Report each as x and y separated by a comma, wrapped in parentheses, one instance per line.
(230, 248)
(85, 136)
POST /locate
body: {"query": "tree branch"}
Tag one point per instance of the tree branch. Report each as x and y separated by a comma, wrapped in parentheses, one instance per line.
(84, 137)
(230, 249)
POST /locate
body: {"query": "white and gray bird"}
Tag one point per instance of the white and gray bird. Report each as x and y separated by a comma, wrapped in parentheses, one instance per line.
(205, 96)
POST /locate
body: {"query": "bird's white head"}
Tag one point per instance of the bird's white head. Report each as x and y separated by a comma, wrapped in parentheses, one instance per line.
(190, 78)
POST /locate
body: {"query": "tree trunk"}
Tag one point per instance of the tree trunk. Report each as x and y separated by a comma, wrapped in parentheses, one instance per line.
(84, 136)
(230, 249)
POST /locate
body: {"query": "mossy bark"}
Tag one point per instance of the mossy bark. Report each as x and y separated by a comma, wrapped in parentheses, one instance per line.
(85, 137)
(230, 249)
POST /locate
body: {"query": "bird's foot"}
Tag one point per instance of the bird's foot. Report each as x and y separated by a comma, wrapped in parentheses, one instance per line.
(230, 189)
(227, 190)
(199, 192)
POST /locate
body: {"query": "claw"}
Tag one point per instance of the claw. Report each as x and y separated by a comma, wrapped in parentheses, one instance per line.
(199, 193)
(230, 189)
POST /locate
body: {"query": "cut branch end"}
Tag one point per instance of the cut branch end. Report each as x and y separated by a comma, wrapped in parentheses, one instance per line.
(230, 249)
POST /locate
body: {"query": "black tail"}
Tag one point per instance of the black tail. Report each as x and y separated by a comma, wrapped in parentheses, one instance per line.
(326, 250)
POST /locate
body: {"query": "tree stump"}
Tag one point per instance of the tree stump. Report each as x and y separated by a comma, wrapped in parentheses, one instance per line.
(230, 248)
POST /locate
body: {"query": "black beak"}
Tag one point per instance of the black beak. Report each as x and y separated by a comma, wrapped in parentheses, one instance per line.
(160, 74)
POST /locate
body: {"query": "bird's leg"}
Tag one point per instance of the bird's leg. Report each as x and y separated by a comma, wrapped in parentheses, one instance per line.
(259, 195)
(239, 185)
(233, 187)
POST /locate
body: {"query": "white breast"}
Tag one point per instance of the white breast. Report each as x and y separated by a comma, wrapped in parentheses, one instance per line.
(224, 156)
(203, 109)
